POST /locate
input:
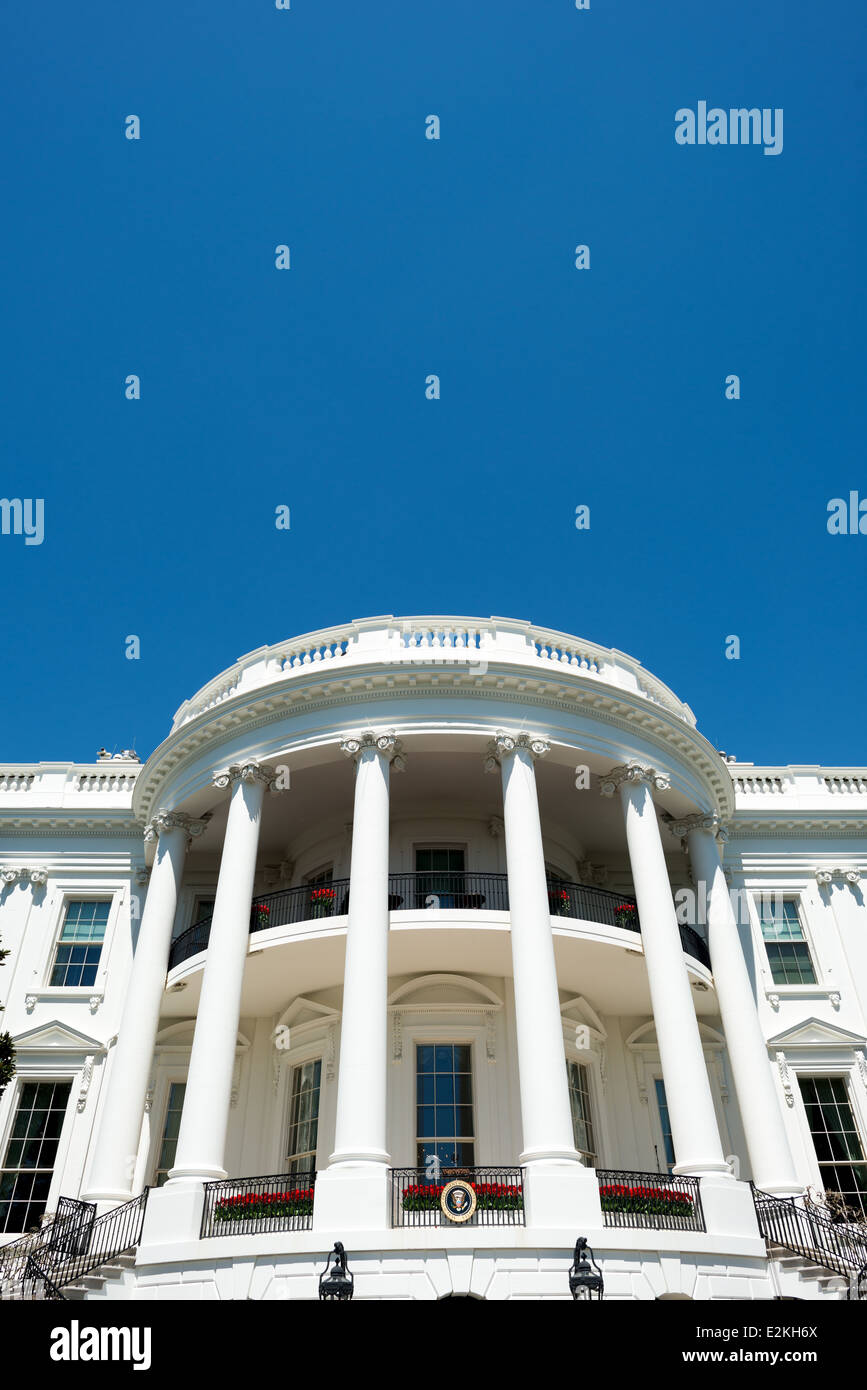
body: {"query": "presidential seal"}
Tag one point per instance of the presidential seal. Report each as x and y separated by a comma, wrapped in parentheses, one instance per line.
(458, 1201)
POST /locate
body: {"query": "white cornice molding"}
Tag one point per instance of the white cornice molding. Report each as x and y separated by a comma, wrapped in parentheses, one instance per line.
(627, 714)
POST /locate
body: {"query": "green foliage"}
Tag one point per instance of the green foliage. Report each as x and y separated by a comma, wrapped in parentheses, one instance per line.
(7, 1051)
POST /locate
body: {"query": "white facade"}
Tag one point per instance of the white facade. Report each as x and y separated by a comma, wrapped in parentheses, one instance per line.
(442, 816)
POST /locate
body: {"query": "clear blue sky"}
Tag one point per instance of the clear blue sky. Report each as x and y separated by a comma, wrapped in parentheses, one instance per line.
(410, 257)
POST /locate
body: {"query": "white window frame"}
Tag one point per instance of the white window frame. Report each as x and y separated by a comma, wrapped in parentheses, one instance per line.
(312, 1049)
(66, 892)
(402, 1095)
(60, 1074)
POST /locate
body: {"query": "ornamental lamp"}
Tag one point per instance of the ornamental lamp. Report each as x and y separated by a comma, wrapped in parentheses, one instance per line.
(337, 1282)
(584, 1285)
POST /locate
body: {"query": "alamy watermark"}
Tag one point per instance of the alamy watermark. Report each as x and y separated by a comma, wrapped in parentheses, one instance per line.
(736, 126)
(23, 517)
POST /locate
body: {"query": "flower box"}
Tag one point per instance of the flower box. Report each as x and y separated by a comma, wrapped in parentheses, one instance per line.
(322, 901)
(645, 1200)
(626, 915)
(265, 1206)
(490, 1196)
(560, 902)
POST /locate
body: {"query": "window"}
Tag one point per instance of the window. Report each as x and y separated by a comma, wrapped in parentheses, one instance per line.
(788, 952)
(441, 876)
(80, 944)
(444, 1105)
(839, 1150)
(171, 1130)
(664, 1123)
(321, 876)
(582, 1117)
(203, 908)
(304, 1117)
(25, 1177)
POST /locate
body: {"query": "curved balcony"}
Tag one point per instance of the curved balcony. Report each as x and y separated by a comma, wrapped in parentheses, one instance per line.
(465, 892)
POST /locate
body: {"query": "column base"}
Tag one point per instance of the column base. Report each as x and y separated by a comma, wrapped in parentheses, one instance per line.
(186, 1176)
(728, 1207)
(558, 1195)
(173, 1216)
(107, 1198)
(781, 1189)
(352, 1197)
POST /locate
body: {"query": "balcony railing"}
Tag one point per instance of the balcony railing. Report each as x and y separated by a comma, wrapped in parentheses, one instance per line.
(467, 892)
(250, 1206)
(656, 1200)
(416, 1197)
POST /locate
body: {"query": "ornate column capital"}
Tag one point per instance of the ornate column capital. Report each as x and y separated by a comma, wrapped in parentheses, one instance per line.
(10, 876)
(502, 745)
(175, 820)
(251, 772)
(825, 877)
(710, 823)
(633, 774)
(385, 743)
(38, 877)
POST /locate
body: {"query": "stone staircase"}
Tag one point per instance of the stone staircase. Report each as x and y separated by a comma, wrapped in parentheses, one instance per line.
(113, 1280)
(797, 1276)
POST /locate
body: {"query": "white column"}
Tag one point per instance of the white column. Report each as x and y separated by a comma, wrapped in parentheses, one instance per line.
(202, 1138)
(546, 1115)
(360, 1134)
(558, 1189)
(353, 1190)
(117, 1144)
(764, 1129)
(694, 1128)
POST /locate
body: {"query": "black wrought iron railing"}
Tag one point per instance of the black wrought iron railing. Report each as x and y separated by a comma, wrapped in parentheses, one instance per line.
(251, 1206)
(417, 1198)
(76, 1242)
(467, 892)
(659, 1201)
(795, 1225)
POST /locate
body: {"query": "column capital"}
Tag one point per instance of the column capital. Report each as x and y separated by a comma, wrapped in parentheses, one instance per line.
(632, 774)
(502, 745)
(385, 743)
(175, 820)
(250, 771)
(711, 823)
(10, 876)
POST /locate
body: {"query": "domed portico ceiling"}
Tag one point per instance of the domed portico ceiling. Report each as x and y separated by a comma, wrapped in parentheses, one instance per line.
(433, 677)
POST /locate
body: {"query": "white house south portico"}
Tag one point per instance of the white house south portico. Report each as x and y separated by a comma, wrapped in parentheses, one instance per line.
(364, 969)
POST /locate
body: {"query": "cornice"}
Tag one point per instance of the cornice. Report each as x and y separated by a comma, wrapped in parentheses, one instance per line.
(71, 824)
(633, 717)
(804, 822)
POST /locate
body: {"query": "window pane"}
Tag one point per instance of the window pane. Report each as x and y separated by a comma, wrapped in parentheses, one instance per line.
(171, 1130)
(25, 1178)
(440, 1127)
(304, 1116)
(835, 1138)
(582, 1122)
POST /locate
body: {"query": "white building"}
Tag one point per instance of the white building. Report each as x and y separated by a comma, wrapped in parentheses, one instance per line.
(396, 904)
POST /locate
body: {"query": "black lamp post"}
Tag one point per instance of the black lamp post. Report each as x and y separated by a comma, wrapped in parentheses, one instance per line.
(583, 1283)
(337, 1282)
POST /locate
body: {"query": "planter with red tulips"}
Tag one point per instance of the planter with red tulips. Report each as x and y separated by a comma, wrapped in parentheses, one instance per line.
(265, 1206)
(322, 901)
(490, 1196)
(626, 915)
(646, 1200)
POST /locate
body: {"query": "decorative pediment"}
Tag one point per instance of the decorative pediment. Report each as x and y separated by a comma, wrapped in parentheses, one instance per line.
(180, 1036)
(56, 1037)
(643, 1046)
(444, 991)
(814, 1032)
(302, 1012)
(578, 1011)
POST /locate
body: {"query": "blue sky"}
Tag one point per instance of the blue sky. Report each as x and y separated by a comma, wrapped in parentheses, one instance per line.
(307, 387)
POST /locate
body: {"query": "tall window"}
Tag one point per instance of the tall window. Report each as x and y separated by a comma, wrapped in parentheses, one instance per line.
(25, 1177)
(839, 1150)
(80, 945)
(788, 952)
(582, 1118)
(304, 1117)
(445, 1133)
(322, 876)
(442, 868)
(664, 1123)
(171, 1130)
